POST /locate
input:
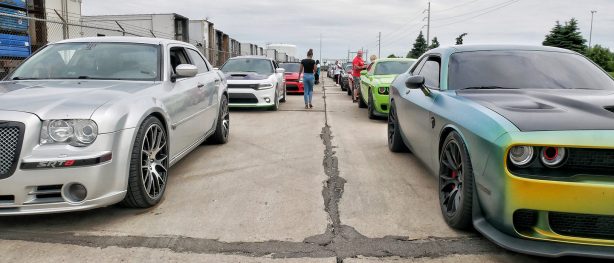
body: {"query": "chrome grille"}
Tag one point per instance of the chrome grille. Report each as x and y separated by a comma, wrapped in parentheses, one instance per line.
(10, 143)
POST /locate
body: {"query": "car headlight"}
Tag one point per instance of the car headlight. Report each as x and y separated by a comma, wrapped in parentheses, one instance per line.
(553, 157)
(79, 133)
(521, 156)
(265, 86)
(383, 90)
(300, 80)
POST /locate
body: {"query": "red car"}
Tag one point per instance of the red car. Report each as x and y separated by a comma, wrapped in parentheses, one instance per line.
(293, 84)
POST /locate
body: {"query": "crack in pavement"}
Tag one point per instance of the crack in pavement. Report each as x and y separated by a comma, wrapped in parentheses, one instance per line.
(339, 241)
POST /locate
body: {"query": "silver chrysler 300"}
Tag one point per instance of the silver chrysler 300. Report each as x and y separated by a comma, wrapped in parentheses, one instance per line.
(87, 123)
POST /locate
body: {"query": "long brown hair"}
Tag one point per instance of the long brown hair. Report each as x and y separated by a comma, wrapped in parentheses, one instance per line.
(310, 53)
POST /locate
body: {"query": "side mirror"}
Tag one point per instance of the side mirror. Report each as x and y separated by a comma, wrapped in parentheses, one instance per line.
(280, 71)
(363, 73)
(186, 71)
(417, 82)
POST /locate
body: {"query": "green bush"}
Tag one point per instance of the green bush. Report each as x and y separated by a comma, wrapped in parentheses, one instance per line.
(612, 74)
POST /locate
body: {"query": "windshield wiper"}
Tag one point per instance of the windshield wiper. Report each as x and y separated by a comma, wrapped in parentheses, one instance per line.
(19, 78)
(488, 87)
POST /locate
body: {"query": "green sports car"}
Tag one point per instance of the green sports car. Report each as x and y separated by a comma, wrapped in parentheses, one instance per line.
(375, 82)
(521, 140)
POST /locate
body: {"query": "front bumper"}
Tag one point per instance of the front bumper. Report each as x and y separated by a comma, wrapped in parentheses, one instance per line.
(44, 189)
(381, 103)
(246, 97)
(501, 195)
(294, 87)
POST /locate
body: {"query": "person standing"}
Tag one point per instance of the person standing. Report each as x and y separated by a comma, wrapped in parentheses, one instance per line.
(317, 82)
(337, 72)
(308, 69)
(358, 65)
(373, 58)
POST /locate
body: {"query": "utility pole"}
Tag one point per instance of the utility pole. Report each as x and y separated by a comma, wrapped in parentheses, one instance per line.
(590, 38)
(320, 47)
(379, 45)
(428, 26)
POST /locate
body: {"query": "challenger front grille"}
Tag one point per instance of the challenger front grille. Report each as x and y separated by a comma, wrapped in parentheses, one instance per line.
(243, 86)
(525, 220)
(580, 225)
(591, 158)
(11, 137)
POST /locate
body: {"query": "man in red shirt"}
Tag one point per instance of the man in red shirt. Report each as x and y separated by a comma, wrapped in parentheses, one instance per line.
(358, 65)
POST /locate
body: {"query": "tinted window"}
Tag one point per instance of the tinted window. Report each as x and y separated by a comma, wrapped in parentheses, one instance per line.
(392, 67)
(198, 61)
(430, 72)
(291, 67)
(260, 66)
(526, 70)
(418, 67)
(178, 57)
(123, 61)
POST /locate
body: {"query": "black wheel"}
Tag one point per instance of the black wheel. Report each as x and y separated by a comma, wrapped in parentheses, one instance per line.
(148, 173)
(371, 106)
(395, 142)
(285, 95)
(455, 183)
(343, 85)
(222, 129)
(361, 101)
(350, 89)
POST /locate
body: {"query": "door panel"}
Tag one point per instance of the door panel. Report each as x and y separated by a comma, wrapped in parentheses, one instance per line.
(185, 104)
(208, 84)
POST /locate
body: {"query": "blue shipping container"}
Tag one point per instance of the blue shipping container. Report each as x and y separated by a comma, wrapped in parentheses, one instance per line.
(14, 3)
(17, 22)
(13, 46)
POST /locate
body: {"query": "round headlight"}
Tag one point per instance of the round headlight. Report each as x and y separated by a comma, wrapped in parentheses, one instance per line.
(60, 130)
(553, 157)
(521, 156)
(86, 131)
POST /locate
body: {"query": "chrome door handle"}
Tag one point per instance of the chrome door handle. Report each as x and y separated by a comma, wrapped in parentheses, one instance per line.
(200, 85)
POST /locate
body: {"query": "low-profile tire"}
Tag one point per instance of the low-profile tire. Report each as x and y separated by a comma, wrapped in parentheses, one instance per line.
(456, 185)
(350, 89)
(148, 174)
(371, 106)
(361, 101)
(395, 141)
(222, 127)
(285, 95)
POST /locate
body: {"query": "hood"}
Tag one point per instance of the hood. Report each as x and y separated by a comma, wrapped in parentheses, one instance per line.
(549, 110)
(384, 79)
(246, 76)
(291, 75)
(70, 99)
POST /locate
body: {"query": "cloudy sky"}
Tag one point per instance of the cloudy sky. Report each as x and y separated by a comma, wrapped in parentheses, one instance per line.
(355, 24)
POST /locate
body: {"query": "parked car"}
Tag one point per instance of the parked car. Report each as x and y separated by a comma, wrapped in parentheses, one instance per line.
(345, 75)
(520, 140)
(255, 82)
(375, 84)
(350, 79)
(293, 83)
(90, 122)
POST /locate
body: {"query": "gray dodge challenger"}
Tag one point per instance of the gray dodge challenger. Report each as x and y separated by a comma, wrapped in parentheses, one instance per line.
(91, 122)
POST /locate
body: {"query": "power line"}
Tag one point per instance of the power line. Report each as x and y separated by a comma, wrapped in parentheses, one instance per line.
(457, 6)
(496, 6)
(487, 12)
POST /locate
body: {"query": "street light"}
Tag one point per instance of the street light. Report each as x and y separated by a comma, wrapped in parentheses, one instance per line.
(590, 37)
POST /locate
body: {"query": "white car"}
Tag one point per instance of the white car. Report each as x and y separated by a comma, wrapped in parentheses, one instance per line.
(255, 82)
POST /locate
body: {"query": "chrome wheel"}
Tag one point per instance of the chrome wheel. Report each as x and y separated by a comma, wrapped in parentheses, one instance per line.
(225, 120)
(392, 122)
(451, 178)
(154, 161)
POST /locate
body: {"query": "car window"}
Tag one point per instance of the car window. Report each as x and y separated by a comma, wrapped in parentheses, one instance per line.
(291, 67)
(256, 65)
(419, 66)
(198, 61)
(178, 57)
(431, 72)
(116, 61)
(392, 67)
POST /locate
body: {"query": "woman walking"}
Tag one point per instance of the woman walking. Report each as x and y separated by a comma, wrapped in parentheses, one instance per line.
(308, 69)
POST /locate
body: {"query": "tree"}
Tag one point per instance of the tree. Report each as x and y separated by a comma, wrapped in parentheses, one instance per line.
(601, 56)
(434, 43)
(460, 39)
(420, 47)
(566, 36)
(392, 56)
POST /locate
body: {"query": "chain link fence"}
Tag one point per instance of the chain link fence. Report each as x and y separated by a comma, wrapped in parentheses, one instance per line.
(21, 36)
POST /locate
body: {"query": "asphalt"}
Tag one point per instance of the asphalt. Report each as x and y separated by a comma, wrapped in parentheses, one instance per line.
(296, 185)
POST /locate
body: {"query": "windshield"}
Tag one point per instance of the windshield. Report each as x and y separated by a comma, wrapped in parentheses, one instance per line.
(525, 70)
(392, 67)
(260, 66)
(116, 61)
(291, 67)
(348, 68)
